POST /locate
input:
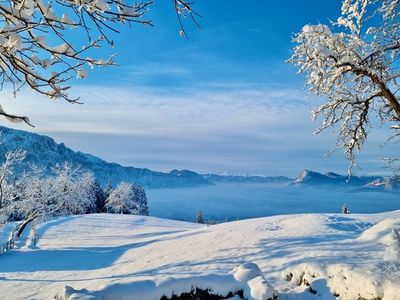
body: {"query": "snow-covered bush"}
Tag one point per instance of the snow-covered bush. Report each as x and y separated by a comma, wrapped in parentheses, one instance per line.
(127, 198)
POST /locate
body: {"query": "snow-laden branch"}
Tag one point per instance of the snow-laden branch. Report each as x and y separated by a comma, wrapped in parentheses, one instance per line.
(354, 65)
(45, 43)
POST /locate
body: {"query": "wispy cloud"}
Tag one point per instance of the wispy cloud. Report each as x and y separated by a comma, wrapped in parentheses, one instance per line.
(121, 109)
(246, 128)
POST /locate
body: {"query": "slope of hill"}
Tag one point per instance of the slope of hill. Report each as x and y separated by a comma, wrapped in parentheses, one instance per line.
(311, 256)
(44, 152)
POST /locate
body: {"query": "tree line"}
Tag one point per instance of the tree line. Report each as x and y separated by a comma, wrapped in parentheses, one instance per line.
(66, 190)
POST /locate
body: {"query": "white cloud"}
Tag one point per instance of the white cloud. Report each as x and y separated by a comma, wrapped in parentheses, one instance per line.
(239, 129)
(135, 110)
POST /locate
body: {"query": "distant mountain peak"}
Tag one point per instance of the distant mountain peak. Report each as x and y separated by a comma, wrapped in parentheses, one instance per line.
(313, 178)
(307, 176)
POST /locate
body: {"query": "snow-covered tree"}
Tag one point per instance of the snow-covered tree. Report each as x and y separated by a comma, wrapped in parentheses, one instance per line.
(7, 182)
(127, 198)
(108, 189)
(68, 191)
(45, 43)
(353, 64)
(9, 187)
(80, 197)
(345, 209)
(141, 200)
(199, 217)
(100, 197)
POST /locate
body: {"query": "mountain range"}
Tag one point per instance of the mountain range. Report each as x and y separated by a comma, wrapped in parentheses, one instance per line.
(358, 183)
(45, 153)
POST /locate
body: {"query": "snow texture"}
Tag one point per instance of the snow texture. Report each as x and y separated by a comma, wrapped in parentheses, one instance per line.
(252, 281)
(113, 255)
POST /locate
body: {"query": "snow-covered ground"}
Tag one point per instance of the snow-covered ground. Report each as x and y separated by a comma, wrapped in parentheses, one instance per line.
(349, 255)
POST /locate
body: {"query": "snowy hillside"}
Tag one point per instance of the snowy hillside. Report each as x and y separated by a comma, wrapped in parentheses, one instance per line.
(304, 257)
(43, 151)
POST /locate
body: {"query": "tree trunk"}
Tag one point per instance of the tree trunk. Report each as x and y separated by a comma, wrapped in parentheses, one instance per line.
(22, 227)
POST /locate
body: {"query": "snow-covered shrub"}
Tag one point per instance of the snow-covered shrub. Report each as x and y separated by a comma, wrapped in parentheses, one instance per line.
(127, 198)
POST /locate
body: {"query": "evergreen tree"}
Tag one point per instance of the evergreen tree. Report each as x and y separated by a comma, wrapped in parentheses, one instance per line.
(127, 198)
(108, 189)
(345, 209)
(199, 217)
(100, 196)
(141, 200)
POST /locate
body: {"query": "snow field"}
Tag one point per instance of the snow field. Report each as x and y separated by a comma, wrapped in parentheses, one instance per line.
(304, 257)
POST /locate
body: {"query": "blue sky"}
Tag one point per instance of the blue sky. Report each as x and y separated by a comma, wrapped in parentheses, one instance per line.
(223, 100)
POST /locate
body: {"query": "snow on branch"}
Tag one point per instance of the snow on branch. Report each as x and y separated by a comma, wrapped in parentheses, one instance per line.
(29, 26)
(45, 43)
(353, 64)
(184, 9)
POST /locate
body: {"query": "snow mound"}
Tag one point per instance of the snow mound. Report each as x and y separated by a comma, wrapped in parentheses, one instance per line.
(84, 294)
(392, 241)
(380, 230)
(259, 288)
(346, 282)
(6, 231)
(247, 277)
(246, 272)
